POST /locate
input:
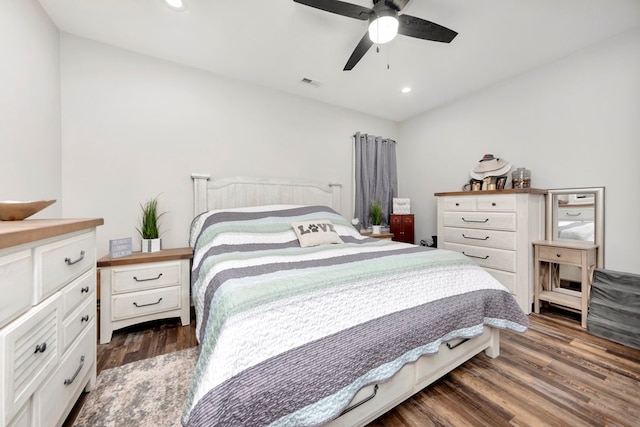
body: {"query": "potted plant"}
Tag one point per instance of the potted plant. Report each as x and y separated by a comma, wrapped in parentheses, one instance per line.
(150, 227)
(375, 216)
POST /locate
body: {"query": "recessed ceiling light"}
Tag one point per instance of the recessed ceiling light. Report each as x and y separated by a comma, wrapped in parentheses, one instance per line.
(406, 89)
(175, 4)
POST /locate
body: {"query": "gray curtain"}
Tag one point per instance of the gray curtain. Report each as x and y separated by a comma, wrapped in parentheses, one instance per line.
(376, 175)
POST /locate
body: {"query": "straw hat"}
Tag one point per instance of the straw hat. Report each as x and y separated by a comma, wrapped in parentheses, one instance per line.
(490, 166)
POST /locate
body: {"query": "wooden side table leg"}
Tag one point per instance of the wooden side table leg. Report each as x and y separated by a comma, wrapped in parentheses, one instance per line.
(584, 297)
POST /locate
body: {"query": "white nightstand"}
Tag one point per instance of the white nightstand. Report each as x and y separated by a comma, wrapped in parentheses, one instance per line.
(142, 287)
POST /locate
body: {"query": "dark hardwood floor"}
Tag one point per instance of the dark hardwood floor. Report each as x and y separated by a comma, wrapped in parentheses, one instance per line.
(556, 374)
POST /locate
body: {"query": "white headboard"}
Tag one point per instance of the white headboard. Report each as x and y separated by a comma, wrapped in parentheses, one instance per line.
(247, 191)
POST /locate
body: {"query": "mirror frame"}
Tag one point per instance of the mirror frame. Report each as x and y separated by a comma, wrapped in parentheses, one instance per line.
(552, 213)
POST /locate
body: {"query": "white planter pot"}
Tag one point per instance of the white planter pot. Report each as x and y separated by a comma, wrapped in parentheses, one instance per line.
(377, 229)
(151, 245)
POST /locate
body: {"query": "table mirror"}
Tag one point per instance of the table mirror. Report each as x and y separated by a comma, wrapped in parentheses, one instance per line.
(577, 214)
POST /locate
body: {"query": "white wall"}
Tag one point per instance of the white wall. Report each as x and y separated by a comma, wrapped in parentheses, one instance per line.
(573, 123)
(29, 105)
(134, 127)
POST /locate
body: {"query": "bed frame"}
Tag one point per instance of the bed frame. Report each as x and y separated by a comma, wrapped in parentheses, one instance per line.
(376, 399)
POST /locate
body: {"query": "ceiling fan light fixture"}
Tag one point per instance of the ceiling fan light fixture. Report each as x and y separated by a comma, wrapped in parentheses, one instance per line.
(175, 4)
(384, 27)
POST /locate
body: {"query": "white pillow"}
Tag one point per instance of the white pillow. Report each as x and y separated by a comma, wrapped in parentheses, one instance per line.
(314, 233)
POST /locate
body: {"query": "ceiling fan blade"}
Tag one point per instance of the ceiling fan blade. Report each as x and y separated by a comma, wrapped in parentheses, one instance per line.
(398, 5)
(422, 29)
(339, 7)
(362, 48)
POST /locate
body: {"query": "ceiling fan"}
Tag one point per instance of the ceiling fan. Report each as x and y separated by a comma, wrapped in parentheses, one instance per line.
(384, 24)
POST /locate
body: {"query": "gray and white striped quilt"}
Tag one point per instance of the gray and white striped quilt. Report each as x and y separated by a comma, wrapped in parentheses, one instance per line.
(288, 335)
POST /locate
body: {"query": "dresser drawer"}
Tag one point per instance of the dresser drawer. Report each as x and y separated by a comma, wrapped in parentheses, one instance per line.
(485, 220)
(507, 279)
(459, 204)
(566, 255)
(135, 304)
(478, 237)
(60, 262)
(77, 322)
(145, 276)
(496, 203)
(81, 290)
(487, 257)
(63, 386)
(16, 290)
(30, 351)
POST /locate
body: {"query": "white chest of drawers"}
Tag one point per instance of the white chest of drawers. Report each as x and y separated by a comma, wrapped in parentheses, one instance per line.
(47, 318)
(496, 229)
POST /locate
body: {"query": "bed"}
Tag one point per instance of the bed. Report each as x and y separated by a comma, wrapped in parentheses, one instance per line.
(302, 321)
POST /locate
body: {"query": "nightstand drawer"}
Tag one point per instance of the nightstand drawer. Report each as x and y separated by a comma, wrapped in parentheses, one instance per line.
(15, 285)
(145, 276)
(572, 213)
(60, 262)
(136, 304)
(30, 351)
(564, 255)
(77, 322)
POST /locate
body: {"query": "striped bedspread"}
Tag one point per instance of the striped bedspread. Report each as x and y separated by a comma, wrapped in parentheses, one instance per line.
(288, 335)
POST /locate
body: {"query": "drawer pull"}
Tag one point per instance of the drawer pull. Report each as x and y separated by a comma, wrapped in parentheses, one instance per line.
(457, 204)
(473, 220)
(73, 378)
(146, 305)
(573, 214)
(41, 348)
(146, 280)
(451, 347)
(475, 238)
(84, 290)
(84, 318)
(69, 262)
(559, 255)
(474, 256)
(365, 400)
(494, 204)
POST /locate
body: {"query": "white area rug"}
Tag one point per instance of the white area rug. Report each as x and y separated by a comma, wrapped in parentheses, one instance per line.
(148, 392)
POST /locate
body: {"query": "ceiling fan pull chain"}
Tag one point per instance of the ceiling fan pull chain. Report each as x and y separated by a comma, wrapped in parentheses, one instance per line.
(388, 49)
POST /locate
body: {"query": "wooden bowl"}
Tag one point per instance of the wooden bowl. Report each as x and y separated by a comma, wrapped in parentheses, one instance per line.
(15, 211)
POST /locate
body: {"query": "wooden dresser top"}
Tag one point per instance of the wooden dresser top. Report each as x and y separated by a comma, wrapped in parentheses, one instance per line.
(13, 233)
(505, 191)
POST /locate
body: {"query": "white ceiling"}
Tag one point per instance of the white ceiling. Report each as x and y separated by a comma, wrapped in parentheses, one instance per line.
(275, 43)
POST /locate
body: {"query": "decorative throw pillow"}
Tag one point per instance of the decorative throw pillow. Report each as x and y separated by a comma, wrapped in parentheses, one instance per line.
(314, 233)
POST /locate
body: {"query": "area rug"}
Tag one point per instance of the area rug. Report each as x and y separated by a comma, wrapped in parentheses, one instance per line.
(148, 392)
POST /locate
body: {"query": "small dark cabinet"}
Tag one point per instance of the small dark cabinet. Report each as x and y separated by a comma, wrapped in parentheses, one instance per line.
(402, 228)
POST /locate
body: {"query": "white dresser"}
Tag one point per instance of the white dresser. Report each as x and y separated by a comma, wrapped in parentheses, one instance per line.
(47, 318)
(496, 229)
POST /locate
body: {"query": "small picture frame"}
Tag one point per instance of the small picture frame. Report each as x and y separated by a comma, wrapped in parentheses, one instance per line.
(120, 247)
(501, 182)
